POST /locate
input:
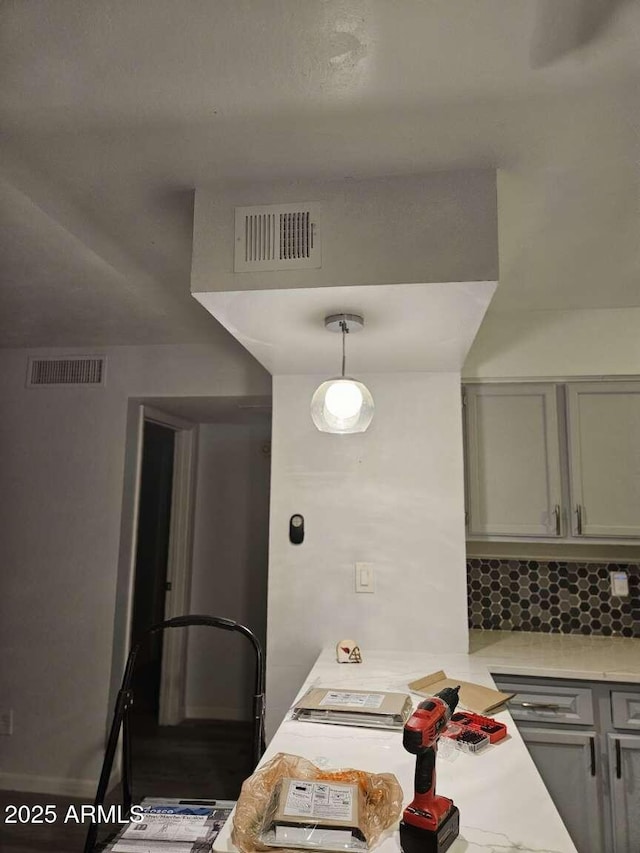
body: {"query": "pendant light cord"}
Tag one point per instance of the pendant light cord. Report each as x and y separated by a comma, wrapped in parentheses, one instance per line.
(345, 329)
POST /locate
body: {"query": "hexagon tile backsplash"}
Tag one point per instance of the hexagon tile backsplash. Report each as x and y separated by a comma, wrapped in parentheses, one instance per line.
(552, 597)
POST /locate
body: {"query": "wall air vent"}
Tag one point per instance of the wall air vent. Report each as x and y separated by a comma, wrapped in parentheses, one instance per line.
(81, 370)
(277, 237)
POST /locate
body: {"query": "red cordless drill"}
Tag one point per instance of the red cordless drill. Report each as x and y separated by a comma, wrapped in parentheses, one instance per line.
(430, 823)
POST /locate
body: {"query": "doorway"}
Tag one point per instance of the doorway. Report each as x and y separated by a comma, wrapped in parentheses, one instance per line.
(217, 556)
(152, 556)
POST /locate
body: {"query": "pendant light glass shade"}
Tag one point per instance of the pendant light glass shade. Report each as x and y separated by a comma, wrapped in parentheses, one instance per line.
(343, 404)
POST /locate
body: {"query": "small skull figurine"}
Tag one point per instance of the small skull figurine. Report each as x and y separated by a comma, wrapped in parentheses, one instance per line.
(348, 651)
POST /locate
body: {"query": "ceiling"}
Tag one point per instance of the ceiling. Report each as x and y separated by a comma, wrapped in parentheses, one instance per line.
(112, 113)
(233, 411)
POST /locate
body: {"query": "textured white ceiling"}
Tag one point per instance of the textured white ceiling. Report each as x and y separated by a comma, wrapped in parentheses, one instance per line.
(113, 112)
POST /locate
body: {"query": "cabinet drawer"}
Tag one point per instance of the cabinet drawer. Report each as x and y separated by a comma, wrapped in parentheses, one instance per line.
(625, 709)
(545, 704)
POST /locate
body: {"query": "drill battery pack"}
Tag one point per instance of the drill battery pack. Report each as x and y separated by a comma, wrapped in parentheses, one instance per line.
(414, 839)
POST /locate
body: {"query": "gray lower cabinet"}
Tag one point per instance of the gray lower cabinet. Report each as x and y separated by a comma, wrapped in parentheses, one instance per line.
(624, 775)
(566, 762)
(583, 738)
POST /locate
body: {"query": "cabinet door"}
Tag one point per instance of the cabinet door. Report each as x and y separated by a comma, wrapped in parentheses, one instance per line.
(624, 770)
(513, 460)
(567, 762)
(604, 439)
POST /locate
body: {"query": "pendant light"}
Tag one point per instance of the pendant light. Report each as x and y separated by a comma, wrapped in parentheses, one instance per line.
(343, 404)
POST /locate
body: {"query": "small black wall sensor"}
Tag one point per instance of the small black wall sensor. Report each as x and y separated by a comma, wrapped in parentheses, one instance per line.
(296, 529)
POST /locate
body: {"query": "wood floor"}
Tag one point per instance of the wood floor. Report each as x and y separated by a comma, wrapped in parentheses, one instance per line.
(199, 760)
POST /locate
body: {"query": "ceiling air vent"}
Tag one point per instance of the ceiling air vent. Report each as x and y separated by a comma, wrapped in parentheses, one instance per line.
(82, 370)
(277, 237)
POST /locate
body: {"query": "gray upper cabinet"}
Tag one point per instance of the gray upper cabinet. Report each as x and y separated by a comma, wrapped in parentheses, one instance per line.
(513, 460)
(549, 461)
(604, 446)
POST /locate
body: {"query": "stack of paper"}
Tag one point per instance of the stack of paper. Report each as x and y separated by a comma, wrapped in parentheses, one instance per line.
(173, 826)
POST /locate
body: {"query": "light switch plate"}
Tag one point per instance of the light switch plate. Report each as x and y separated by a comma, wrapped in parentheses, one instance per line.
(365, 577)
(619, 584)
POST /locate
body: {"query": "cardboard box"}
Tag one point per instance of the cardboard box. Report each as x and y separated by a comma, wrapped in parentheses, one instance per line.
(474, 697)
(341, 706)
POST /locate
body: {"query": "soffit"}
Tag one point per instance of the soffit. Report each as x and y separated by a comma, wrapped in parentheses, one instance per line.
(408, 327)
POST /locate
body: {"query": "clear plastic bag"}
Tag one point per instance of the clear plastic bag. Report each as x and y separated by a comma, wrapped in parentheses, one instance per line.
(381, 799)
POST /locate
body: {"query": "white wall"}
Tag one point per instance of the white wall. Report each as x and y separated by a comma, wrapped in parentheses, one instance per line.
(434, 227)
(62, 455)
(573, 309)
(392, 496)
(230, 559)
(528, 344)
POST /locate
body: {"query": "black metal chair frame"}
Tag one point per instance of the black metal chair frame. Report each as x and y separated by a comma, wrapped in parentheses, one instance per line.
(124, 702)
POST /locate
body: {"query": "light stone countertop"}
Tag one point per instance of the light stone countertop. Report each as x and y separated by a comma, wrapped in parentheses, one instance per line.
(503, 802)
(557, 655)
